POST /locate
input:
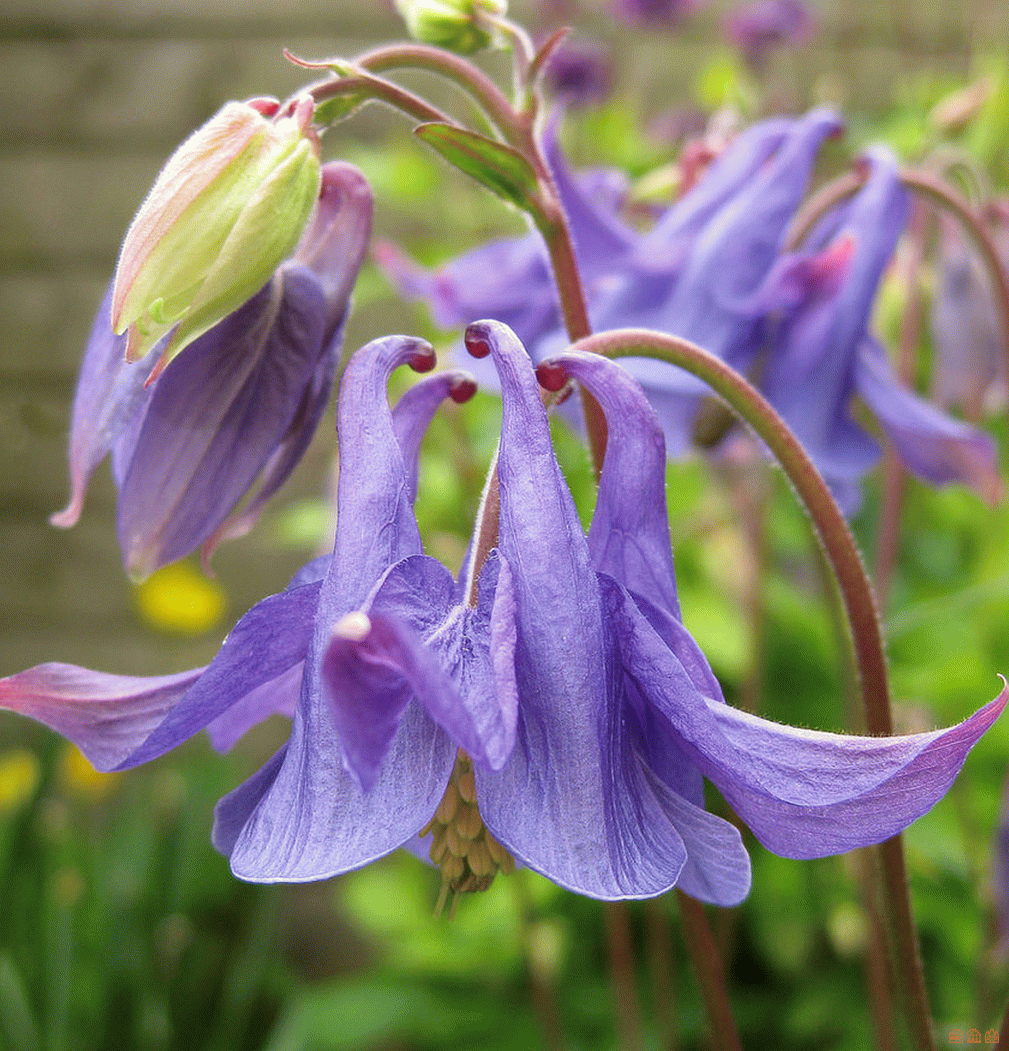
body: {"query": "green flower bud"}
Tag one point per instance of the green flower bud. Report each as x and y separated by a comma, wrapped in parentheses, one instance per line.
(228, 207)
(452, 24)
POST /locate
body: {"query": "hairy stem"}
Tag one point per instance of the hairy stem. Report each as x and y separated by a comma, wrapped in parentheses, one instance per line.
(893, 471)
(853, 581)
(710, 972)
(382, 91)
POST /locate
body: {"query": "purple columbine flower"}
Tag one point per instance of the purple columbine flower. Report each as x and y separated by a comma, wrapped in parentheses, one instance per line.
(239, 405)
(579, 73)
(970, 359)
(758, 29)
(823, 356)
(654, 14)
(561, 667)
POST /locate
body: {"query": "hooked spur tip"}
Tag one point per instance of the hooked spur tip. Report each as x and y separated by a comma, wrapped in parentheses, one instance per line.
(477, 340)
(354, 627)
(423, 359)
(551, 375)
(463, 388)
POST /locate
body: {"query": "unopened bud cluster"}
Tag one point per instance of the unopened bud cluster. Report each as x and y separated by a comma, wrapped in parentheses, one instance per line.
(467, 854)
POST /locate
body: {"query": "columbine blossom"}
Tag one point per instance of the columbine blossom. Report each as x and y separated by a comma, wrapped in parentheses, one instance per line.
(560, 667)
(715, 270)
(759, 28)
(823, 356)
(966, 330)
(239, 405)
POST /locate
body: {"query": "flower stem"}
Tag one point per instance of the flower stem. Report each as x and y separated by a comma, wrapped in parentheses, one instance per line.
(894, 476)
(709, 970)
(625, 994)
(853, 581)
(473, 81)
(553, 225)
(382, 91)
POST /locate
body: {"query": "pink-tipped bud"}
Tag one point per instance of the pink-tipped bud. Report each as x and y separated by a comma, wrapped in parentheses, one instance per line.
(228, 207)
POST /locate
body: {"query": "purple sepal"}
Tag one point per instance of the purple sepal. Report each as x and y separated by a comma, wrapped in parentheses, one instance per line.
(931, 444)
(243, 382)
(107, 716)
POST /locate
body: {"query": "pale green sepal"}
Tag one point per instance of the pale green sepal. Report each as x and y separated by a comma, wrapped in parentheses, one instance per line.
(204, 200)
(265, 234)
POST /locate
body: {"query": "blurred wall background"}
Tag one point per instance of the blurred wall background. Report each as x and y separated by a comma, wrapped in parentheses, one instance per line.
(97, 93)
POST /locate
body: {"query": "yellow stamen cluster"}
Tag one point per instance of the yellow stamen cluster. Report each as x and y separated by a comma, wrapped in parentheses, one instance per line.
(468, 855)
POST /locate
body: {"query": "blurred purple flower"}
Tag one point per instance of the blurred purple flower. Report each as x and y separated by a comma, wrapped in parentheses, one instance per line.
(654, 14)
(579, 73)
(589, 713)
(714, 270)
(971, 363)
(240, 404)
(822, 356)
(759, 28)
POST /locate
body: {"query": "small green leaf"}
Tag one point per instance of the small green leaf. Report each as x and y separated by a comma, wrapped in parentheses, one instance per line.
(492, 164)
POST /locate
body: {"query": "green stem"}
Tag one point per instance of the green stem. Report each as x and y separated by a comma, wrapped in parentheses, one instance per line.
(853, 581)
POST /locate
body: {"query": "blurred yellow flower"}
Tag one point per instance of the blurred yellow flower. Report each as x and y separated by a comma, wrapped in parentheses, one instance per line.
(179, 599)
(80, 779)
(19, 777)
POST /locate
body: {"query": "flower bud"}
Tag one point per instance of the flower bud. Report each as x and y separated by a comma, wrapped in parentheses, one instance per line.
(228, 207)
(452, 24)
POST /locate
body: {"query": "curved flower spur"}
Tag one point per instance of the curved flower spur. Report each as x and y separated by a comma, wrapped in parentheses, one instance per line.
(558, 710)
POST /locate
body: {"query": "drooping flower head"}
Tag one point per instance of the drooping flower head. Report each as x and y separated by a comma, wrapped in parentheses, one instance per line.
(970, 359)
(236, 410)
(823, 355)
(228, 207)
(587, 715)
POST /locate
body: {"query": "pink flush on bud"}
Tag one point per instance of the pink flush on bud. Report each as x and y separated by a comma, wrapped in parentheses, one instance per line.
(228, 207)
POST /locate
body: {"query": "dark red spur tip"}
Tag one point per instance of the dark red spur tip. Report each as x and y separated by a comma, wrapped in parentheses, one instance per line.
(423, 359)
(551, 375)
(462, 389)
(477, 341)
